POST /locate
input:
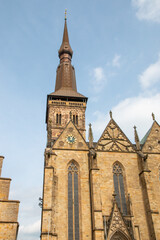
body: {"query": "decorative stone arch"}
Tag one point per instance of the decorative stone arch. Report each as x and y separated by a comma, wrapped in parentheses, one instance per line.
(119, 235)
(120, 164)
(74, 162)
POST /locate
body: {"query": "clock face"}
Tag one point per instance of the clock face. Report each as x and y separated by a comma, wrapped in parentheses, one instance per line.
(71, 139)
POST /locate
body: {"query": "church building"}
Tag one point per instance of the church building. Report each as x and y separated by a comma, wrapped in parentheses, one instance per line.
(104, 190)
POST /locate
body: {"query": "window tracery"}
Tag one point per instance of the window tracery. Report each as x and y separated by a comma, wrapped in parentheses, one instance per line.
(73, 202)
(119, 187)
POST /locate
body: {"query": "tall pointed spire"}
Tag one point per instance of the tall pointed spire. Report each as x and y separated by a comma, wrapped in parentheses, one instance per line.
(65, 77)
(65, 46)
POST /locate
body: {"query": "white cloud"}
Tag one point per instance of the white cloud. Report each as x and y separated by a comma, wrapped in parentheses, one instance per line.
(116, 60)
(99, 79)
(147, 9)
(33, 228)
(98, 74)
(29, 211)
(129, 112)
(151, 75)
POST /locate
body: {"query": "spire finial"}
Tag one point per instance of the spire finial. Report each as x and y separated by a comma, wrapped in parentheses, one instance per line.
(65, 17)
(136, 139)
(90, 136)
(153, 116)
(65, 46)
(110, 113)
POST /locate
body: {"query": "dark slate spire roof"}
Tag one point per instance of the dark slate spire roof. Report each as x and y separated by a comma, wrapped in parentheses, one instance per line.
(65, 78)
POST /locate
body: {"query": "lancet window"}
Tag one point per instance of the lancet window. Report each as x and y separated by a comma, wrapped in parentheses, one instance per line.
(75, 119)
(58, 118)
(73, 202)
(119, 187)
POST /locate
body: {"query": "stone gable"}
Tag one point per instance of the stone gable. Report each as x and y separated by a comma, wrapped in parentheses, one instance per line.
(70, 132)
(152, 143)
(117, 224)
(114, 140)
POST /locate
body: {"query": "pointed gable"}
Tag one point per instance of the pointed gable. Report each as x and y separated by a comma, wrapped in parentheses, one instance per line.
(114, 140)
(117, 225)
(70, 138)
(151, 141)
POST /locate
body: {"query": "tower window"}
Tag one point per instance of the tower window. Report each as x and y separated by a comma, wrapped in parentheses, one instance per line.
(75, 119)
(58, 118)
(119, 188)
(73, 203)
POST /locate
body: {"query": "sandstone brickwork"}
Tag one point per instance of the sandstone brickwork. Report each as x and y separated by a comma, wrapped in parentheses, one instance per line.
(107, 190)
(96, 188)
(8, 210)
(65, 108)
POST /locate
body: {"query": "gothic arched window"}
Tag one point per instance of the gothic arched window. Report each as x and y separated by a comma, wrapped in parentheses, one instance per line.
(58, 118)
(119, 187)
(75, 119)
(73, 202)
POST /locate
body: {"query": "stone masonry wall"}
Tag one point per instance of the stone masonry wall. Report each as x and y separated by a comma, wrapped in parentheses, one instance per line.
(74, 107)
(129, 161)
(8, 210)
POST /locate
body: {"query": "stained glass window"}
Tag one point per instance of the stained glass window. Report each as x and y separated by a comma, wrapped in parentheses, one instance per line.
(73, 203)
(119, 188)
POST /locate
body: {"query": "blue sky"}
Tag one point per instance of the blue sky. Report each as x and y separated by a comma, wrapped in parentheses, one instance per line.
(116, 56)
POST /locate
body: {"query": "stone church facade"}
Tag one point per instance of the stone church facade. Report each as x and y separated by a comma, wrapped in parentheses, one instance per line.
(105, 190)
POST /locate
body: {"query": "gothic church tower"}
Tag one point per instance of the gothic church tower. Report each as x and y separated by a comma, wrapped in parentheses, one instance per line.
(66, 196)
(65, 102)
(104, 190)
